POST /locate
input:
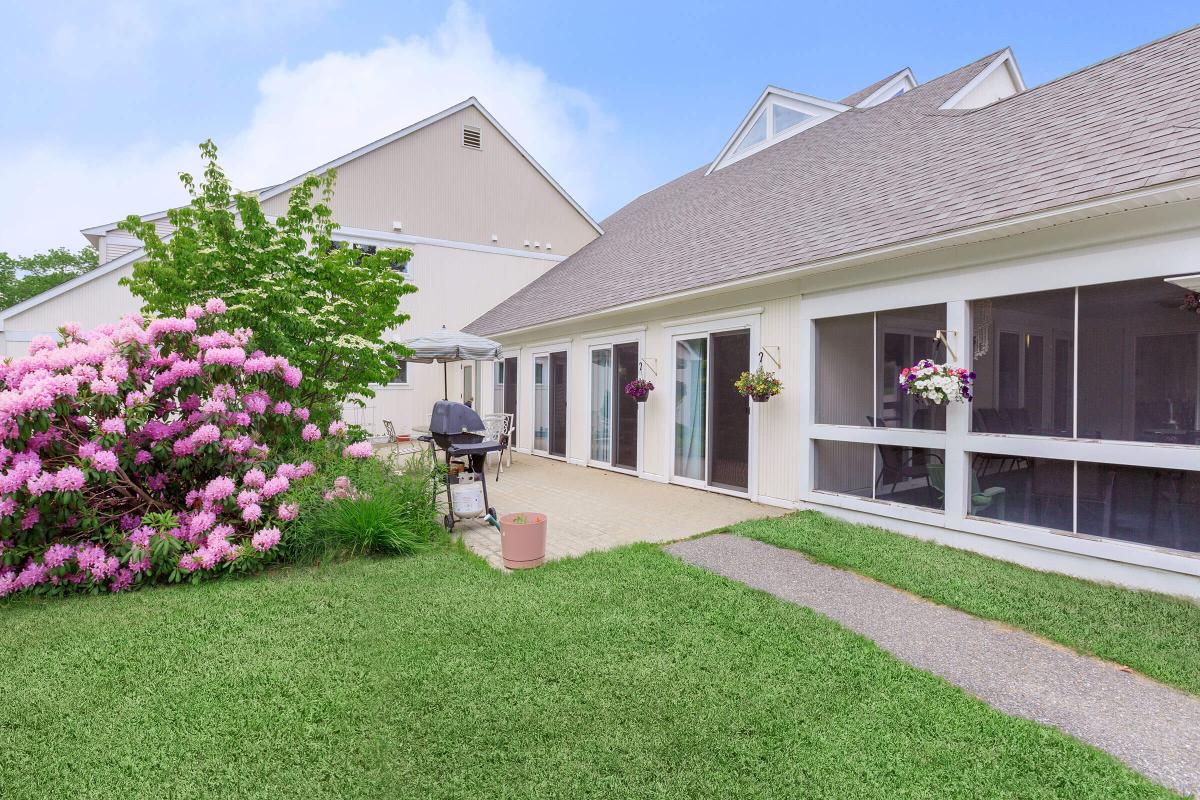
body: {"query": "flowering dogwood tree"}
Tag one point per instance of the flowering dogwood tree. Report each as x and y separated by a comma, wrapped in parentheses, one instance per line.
(323, 307)
(146, 451)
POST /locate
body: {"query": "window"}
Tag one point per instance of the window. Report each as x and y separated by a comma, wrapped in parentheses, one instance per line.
(1023, 358)
(401, 376)
(852, 392)
(783, 117)
(756, 134)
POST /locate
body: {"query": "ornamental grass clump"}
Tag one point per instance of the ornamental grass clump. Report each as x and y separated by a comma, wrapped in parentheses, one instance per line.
(145, 452)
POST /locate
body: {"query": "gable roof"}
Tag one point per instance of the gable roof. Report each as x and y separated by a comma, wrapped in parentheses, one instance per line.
(267, 194)
(818, 107)
(898, 172)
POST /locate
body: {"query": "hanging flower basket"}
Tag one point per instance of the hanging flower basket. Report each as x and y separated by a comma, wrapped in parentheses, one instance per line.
(1191, 303)
(760, 385)
(639, 389)
(936, 383)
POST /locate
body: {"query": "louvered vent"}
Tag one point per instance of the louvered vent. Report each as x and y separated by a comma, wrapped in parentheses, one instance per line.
(471, 138)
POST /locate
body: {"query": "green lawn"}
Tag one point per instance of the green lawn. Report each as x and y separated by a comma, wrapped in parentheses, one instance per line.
(618, 675)
(1152, 633)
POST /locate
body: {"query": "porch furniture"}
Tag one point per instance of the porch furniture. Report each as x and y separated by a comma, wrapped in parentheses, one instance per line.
(993, 497)
(390, 429)
(898, 464)
(497, 427)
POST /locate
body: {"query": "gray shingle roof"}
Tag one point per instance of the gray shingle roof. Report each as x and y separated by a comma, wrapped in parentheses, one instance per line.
(894, 172)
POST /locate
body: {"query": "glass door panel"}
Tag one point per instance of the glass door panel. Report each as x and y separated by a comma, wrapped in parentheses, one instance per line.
(729, 429)
(601, 411)
(541, 404)
(558, 404)
(625, 423)
(691, 407)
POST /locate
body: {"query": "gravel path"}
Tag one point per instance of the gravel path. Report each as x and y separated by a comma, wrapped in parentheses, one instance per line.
(1152, 728)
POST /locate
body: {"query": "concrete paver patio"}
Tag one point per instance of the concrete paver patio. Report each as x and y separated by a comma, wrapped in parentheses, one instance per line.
(596, 509)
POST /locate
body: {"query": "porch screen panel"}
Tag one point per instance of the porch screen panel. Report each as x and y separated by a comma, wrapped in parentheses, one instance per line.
(902, 338)
(691, 399)
(601, 405)
(845, 390)
(1139, 377)
(729, 431)
(1023, 358)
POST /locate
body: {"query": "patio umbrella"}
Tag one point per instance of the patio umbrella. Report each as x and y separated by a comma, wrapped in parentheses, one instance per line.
(445, 346)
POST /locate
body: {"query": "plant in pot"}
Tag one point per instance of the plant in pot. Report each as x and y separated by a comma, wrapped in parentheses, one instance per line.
(523, 539)
(930, 382)
(639, 389)
(760, 385)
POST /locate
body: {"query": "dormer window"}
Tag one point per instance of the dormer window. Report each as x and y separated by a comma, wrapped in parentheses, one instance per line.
(756, 134)
(778, 115)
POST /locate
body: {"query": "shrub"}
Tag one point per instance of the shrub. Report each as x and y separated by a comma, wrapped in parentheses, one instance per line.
(361, 506)
(145, 451)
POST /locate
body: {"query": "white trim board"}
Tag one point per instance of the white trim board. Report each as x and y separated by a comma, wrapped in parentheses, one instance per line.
(1005, 59)
(888, 90)
(400, 134)
(368, 236)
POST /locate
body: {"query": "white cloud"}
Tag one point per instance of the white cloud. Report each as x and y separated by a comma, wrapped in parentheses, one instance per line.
(308, 114)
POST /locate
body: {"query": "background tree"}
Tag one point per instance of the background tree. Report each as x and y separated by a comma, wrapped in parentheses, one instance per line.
(22, 277)
(326, 308)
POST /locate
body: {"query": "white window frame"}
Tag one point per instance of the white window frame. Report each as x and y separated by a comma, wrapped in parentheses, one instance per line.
(407, 382)
(1153, 258)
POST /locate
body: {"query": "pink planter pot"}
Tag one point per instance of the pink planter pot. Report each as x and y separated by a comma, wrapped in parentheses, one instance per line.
(523, 544)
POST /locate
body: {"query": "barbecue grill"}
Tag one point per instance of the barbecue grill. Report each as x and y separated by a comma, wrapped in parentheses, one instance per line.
(456, 429)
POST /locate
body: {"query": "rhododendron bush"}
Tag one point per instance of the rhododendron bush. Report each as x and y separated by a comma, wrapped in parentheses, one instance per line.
(147, 451)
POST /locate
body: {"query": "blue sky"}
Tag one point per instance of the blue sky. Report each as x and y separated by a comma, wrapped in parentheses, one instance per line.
(104, 101)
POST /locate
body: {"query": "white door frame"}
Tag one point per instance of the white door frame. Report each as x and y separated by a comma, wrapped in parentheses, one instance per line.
(606, 343)
(546, 351)
(693, 329)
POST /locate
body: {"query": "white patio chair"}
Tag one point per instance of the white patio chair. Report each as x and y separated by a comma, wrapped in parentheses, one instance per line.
(497, 428)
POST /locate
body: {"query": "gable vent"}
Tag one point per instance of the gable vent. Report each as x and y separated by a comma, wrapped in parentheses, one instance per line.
(471, 137)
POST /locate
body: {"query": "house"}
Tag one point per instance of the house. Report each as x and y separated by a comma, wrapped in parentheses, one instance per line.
(1046, 238)
(481, 216)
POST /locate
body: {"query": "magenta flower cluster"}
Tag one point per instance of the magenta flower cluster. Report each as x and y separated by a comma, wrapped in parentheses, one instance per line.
(145, 451)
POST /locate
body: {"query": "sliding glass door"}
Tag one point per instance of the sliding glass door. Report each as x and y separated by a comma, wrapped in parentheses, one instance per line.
(550, 404)
(712, 421)
(613, 414)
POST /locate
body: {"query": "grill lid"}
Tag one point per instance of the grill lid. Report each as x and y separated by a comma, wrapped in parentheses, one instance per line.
(449, 418)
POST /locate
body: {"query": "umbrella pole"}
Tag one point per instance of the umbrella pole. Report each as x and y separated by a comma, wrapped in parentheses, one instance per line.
(445, 381)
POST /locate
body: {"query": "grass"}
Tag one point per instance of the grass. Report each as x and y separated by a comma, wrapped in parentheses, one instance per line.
(621, 674)
(1154, 634)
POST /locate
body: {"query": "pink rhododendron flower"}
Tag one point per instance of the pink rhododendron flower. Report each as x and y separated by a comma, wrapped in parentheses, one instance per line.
(122, 580)
(286, 470)
(202, 522)
(300, 414)
(142, 457)
(215, 305)
(283, 407)
(358, 450)
(30, 519)
(227, 356)
(275, 486)
(254, 478)
(305, 469)
(206, 434)
(292, 376)
(288, 511)
(219, 488)
(69, 479)
(265, 539)
(338, 428)
(57, 554)
(310, 433)
(247, 497)
(252, 512)
(141, 537)
(194, 311)
(105, 461)
(113, 425)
